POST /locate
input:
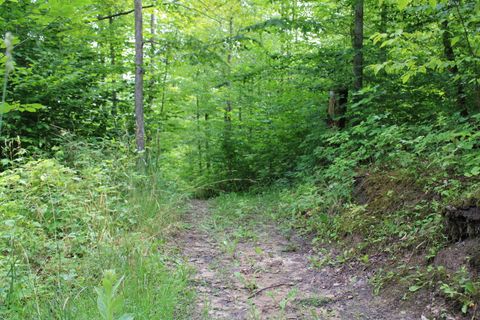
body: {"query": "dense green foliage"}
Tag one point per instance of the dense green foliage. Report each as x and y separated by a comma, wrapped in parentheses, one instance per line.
(240, 87)
(62, 226)
(238, 97)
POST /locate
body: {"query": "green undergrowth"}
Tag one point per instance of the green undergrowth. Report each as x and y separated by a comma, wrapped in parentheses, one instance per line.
(67, 219)
(234, 218)
(378, 191)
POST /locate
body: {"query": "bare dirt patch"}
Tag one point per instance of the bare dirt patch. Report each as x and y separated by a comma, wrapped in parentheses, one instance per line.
(272, 278)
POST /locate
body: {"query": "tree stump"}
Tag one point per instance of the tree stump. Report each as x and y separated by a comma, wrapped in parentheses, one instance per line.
(337, 107)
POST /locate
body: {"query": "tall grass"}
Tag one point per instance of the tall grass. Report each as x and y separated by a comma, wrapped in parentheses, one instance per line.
(67, 225)
(156, 283)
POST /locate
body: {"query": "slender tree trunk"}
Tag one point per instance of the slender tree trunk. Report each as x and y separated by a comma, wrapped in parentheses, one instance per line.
(164, 84)
(472, 53)
(358, 45)
(294, 19)
(228, 106)
(153, 31)
(150, 95)
(113, 63)
(199, 140)
(383, 29)
(139, 116)
(240, 102)
(207, 143)
(450, 55)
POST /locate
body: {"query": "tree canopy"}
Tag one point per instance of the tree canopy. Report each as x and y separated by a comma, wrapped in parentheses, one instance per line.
(314, 98)
(236, 85)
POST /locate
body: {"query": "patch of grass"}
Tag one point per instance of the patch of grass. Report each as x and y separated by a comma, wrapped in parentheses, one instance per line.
(315, 302)
(235, 218)
(66, 225)
(230, 246)
(248, 283)
(150, 289)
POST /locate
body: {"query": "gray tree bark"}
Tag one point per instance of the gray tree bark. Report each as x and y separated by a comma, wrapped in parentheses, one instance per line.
(139, 114)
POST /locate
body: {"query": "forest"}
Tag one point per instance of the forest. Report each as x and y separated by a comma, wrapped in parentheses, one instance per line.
(240, 159)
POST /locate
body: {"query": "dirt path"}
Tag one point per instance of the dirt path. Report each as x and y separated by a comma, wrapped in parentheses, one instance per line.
(272, 278)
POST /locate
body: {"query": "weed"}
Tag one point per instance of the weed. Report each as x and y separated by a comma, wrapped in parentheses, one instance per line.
(259, 251)
(253, 312)
(230, 247)
(462, 289)
(316, 302)
(249, 284)
(109, 302)
(291, 295)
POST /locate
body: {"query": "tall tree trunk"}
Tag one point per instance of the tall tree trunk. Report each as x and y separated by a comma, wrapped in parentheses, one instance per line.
(207, 143)
(139, 116)
(198, 138)
(358, 45)
(114, 98)
(228, 105)
(466, 32)
(383, 29)
(150, 95)
(241, 101)
(294, 19)
(450, 55)
(164, 81)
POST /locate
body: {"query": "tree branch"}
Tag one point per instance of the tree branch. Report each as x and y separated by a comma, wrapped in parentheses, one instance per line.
(124, 13)
(256, 293)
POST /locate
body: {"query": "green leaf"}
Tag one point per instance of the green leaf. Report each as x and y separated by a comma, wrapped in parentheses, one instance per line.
(5, 107)
(32, 107)
(377, 67)
(455, 40)
(9, 223)
(323, 218)
(101, 305)
(433, 3)
(414, 288)
(402, 4)
(475, 171)
(406, 77)
(469, 287)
